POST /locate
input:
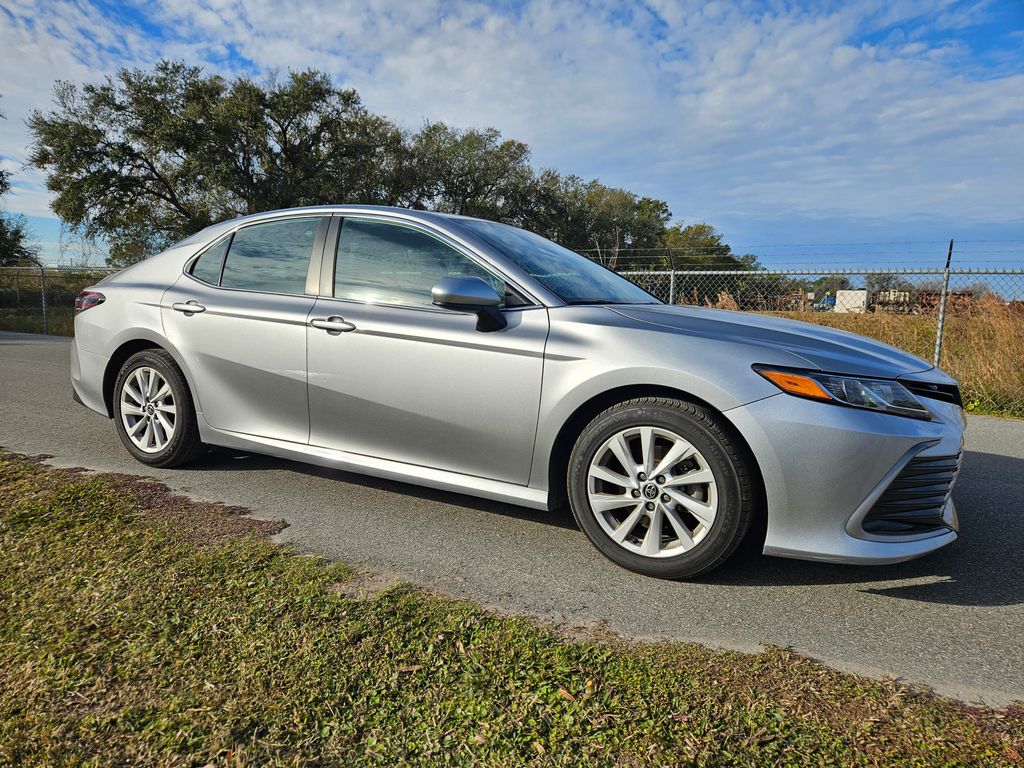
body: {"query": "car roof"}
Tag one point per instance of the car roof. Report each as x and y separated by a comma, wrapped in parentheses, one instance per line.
(407, 212)
(214, 231)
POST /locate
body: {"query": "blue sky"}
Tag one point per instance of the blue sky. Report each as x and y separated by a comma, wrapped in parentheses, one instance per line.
(781, 123)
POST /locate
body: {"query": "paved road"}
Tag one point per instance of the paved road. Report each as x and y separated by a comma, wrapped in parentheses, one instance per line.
(953, 620)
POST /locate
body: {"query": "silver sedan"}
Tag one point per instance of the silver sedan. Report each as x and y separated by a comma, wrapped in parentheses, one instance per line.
(476, 357)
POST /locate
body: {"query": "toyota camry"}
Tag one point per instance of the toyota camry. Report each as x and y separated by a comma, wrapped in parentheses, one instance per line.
(476, 357)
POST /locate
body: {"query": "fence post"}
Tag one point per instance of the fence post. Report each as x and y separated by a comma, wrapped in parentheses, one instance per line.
(42, 292)
(942, 306)
(671, 278)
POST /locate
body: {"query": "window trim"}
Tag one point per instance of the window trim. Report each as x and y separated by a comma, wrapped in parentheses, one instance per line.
(312, 268)
(328, 270)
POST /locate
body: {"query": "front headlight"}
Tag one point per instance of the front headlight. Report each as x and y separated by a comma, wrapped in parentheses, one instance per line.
(873, 394)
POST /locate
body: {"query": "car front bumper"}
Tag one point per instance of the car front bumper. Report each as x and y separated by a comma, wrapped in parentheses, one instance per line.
(826, 466)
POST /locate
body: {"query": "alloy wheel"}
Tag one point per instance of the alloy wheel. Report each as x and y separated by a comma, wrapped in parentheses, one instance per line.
(652, 492)
(148, 410)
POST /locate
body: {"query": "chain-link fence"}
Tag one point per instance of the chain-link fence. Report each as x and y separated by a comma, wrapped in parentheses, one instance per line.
(969, 321)
(980, 312)
(35, 299)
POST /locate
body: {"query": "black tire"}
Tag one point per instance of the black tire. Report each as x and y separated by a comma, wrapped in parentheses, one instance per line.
(726, 457)
(185, 445)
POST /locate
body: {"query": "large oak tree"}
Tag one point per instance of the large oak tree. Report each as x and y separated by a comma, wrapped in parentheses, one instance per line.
(144, 158)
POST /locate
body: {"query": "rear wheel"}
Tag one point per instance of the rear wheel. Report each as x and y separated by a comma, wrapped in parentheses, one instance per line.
(661, 487)
(153, 411)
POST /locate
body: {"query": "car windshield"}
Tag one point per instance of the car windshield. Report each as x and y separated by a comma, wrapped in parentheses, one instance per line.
(571, 277)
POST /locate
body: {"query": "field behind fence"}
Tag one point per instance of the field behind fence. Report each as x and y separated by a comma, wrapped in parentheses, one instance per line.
(980, 311)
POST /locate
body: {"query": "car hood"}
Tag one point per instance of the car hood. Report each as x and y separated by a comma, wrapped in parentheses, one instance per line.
(822, 347)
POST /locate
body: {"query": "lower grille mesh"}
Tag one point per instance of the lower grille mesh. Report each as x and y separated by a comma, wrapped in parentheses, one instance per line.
(914, 501)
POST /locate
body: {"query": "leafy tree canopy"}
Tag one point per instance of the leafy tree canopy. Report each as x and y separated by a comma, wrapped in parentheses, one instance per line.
(701, 246)
(147, 157)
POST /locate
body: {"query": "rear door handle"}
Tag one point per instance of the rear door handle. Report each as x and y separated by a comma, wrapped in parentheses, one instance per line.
(189, 307)
(334, 324)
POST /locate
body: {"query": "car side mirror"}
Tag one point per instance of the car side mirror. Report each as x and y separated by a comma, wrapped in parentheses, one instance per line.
(470, 294)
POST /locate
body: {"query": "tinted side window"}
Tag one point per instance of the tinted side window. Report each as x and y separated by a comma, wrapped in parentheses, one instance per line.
(271, 257)
(207, 266)
(383, 263)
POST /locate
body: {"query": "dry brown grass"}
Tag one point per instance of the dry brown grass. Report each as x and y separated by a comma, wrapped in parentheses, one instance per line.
(982, 349)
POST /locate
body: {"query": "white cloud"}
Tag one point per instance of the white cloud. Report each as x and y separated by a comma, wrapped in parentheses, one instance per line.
(728, 110)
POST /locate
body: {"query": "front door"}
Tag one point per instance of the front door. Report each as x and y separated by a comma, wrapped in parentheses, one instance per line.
(398, 378)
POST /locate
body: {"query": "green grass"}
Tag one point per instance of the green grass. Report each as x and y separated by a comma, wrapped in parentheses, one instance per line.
(139, 628)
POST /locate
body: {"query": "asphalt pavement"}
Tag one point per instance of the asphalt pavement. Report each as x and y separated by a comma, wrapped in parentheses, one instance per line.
(953, 620)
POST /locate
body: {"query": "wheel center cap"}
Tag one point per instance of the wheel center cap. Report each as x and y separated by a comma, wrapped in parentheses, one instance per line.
(651, 491)
(150, 409)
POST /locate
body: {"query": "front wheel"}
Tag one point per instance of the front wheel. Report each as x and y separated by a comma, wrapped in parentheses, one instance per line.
(661, 487)
(153, 411)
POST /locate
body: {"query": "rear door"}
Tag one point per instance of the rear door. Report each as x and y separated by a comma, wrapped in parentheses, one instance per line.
(239, 318)
(401, 379)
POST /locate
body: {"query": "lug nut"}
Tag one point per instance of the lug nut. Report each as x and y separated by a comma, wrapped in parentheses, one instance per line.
(665, 498)
(641, 477)
(636, 493)
(650, 506)
(660, 479)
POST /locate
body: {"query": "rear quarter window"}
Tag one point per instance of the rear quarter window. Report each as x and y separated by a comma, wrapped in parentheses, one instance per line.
(207, 267)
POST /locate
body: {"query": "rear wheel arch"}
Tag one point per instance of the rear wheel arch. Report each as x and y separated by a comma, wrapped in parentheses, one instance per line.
(121, 355)
(572, 428)
(153, 409)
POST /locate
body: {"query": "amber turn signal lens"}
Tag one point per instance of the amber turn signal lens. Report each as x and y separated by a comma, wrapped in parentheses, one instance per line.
(796, 384)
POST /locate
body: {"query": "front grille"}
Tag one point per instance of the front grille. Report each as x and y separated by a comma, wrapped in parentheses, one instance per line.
(915, 500)
(949, 393)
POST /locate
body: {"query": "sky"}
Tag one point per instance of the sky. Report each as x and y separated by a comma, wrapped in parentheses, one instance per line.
(798, 129)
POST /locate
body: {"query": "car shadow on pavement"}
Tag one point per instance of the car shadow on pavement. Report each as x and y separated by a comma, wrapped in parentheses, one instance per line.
(984, 567)
(222, 459)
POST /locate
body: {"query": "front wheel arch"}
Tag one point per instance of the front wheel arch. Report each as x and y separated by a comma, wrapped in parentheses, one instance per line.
(572, 428)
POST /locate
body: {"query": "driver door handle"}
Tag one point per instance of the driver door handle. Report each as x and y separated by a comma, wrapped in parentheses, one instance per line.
(333, 324)
(188, 307)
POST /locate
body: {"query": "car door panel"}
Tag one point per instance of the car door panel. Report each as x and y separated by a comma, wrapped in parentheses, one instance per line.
(425, 387)
(246, 352)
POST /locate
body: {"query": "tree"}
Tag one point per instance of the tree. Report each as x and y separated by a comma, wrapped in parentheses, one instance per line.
(623, 221)
(613, 225)
(878, 282)
(701, 246)
(470, 173)
(145, 158)
(15, 240)
(15, 237)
